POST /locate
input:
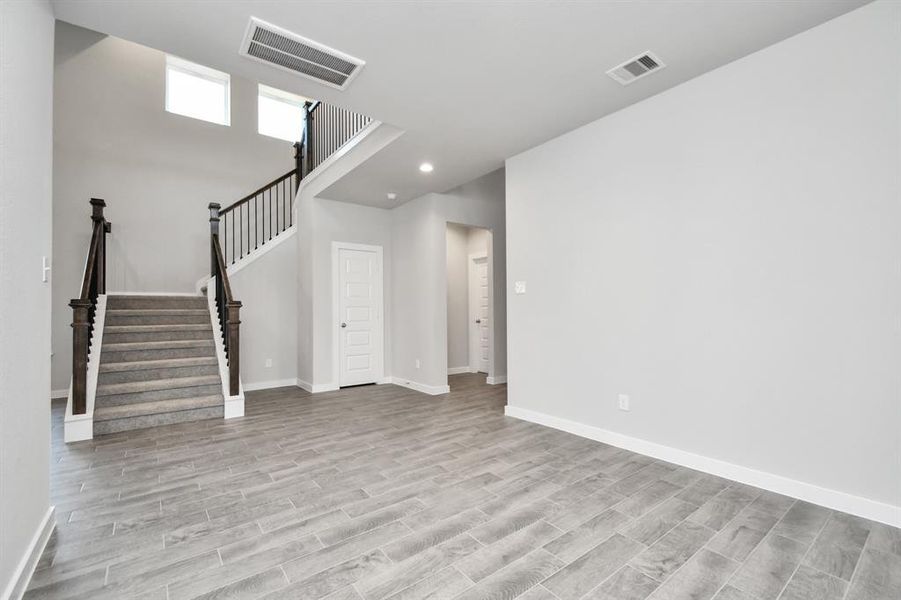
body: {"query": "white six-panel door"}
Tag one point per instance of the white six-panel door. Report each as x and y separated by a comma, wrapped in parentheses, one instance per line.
(360, 347)
(480, 312)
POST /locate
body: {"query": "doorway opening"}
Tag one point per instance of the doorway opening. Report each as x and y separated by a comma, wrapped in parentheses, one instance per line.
(470, 311)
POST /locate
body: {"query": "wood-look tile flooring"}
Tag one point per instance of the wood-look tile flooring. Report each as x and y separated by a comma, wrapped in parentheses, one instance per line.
(382, 493)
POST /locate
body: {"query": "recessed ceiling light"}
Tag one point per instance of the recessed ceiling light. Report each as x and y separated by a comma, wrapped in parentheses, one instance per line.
(426, 167)
(391, 196)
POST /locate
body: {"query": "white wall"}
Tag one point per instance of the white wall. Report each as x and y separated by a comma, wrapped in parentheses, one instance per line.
(727, 253)
(342, 222)
(457, 241)
(157, 171)
(268, 291)
(26, 115)
(462, 242)
(420, 286)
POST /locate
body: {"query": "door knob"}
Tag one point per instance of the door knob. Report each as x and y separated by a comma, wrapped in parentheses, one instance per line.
(478, 320)
(343, 324)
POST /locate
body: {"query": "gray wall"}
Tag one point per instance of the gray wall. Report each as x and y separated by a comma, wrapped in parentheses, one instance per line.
(727, 253)
(420, 284)
(413, 238)
(343, 222)
(462, 241)
(157, 171)
(26, 114)
(457, 296)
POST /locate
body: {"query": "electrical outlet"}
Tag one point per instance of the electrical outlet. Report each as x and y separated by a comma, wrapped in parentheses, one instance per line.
(624, 402)
(268, 363)
(519, 287)
(418, 363)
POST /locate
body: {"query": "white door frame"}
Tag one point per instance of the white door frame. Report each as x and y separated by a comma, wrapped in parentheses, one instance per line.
(336, 308)
(470, 276)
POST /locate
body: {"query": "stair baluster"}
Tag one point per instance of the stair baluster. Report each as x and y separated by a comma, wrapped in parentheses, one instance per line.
(93, 284)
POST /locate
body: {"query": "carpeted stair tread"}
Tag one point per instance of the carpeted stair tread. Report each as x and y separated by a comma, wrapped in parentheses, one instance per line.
(160, 345)
(141, 409)
(135, 387)
(162, 328)
(142, 312)
(169, 363)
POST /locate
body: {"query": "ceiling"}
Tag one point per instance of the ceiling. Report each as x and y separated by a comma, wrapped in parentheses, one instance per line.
(472, 83)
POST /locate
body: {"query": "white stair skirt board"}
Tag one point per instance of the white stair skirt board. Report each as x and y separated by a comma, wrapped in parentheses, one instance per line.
(841, 501)
(459, 370)
(317, 388)
(233, 405)
(77, 428)
(432, 390)
(15, 589)
(496, 379)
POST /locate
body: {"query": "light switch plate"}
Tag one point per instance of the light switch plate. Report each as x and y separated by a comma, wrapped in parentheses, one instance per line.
(519, 287)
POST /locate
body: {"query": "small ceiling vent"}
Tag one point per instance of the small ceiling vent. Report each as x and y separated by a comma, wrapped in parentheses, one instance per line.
(275, 46)
(636, 68)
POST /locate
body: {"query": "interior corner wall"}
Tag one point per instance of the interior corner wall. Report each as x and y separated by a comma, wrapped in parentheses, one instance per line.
(419, 284)
(26, 151)
(157, 171)
(727, 254)
(457, 296)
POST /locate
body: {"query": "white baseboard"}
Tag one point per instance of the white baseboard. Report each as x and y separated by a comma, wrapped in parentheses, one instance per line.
(432, 390)
(25, 569)
(836, 500)
(458, 370)
(265, 385)
(316, 388)
(57, 394)
(496, 379)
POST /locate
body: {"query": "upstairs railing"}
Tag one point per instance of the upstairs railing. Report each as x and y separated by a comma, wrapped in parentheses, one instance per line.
(257, 218)
(228, 309)
(84, 307)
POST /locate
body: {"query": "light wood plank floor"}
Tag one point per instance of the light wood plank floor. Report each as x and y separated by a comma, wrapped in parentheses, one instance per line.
(380, 492)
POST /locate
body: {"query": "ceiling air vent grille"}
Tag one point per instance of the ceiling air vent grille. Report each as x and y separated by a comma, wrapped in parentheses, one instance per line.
(636, 68)
(275, 46)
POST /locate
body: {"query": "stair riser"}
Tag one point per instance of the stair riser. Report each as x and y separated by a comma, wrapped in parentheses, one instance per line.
(153, 374)
(168, 394)
(155, 336)
(157, 319)
(158, 302)
(142, 422)
(161, 354)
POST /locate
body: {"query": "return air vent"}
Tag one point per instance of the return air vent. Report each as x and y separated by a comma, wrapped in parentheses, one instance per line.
(636, 68)
(275, 46)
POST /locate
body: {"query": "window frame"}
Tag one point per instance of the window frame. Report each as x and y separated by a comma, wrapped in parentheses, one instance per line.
(186, 67)
(277, 95)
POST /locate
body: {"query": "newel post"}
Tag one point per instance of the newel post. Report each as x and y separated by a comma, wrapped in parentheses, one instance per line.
(234, 344)
(214, 232)
(81, 337)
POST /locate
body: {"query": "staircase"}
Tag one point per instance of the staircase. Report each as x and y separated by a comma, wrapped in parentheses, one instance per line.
(158, 364)
(159, 360)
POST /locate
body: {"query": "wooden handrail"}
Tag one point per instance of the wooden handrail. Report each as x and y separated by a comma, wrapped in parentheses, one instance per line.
(265, 213)
(265, 188)
(228, 309)
(83, 308)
